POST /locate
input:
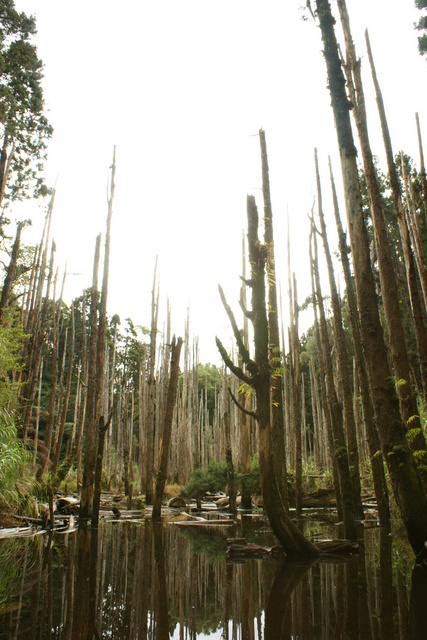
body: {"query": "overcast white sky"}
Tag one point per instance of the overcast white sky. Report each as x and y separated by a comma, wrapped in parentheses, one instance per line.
(182, 88)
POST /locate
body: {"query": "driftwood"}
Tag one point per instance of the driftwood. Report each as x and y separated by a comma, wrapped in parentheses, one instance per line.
(68, 505)
(177, 503)
(17, 532)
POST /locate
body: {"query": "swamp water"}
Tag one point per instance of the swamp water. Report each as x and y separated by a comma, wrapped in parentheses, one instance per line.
(133, 580)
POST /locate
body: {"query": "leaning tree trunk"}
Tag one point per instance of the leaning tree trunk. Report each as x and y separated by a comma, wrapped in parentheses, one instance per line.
(390, 294)
(342, 359)
(259, 378)
(404, 476)
(335, 409)
(11, 270)
(374, 445)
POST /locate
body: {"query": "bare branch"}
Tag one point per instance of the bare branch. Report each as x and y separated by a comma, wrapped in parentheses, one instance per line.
(228, 362)
(242, 349)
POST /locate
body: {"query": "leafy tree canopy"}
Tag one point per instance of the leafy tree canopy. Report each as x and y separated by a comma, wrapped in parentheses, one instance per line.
(24, 128)
(422, 26)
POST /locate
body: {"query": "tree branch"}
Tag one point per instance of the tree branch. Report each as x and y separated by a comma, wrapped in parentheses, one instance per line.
(242, 349)
(228, 362)
(248, 412)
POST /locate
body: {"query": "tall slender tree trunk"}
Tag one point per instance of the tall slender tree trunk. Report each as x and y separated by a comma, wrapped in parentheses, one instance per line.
(149, 432)
(405, 479)
(259, 377)
(342, 359)
(90, 430)
(277, 424)
(11, 270)
(294, 355)
(335, 409)
(167, 427)
(95, 419)
(244, 419)
(390, 295)
(374, 444)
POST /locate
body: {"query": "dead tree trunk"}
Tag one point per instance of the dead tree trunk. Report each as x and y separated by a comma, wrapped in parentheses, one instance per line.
(11, 270)
(375, 453)
(244, 419)
(149, 432)
(167, 428)
(404, 476)
(335, 409)
(90, 417)
(101, 424)
(277, 419)
(259, 377)
(390, 295)
(66, 398)
(294, 356)
(342, 359)
(89, 504)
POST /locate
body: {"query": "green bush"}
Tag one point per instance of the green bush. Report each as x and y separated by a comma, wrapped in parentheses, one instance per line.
(13, 459)
(210, 479)
(252, 482)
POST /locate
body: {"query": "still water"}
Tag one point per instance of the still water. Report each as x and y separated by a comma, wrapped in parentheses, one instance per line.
(132, 580)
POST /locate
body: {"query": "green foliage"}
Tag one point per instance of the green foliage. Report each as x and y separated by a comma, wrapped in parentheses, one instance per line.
(17, 558)
(11, 338)
(208, 480)
(13, 458)
(213, 545)
(411, 434)
(210, 378)
(24, 127)
(422, 26)
(252, 482)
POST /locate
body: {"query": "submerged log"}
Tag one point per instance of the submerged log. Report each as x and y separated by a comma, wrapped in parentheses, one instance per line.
(335, 547)
(241, 548)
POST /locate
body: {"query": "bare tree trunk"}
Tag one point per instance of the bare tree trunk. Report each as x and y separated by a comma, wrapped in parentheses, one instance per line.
(342, 359)
(149, 457)
(340, 448)
(231, 479)
(167, 428)
(11, 270)
(294, 355)
(259, 378)
(423, 177)
(90, 428)
(390, 295)
(56, 312)
(406, 481)
(66, 399)
(374, 444)
(101, 424)
(277, 423)
(83, 400)
(244, 419)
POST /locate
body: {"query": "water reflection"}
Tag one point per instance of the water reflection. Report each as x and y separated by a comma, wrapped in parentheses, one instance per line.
(130, 581)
